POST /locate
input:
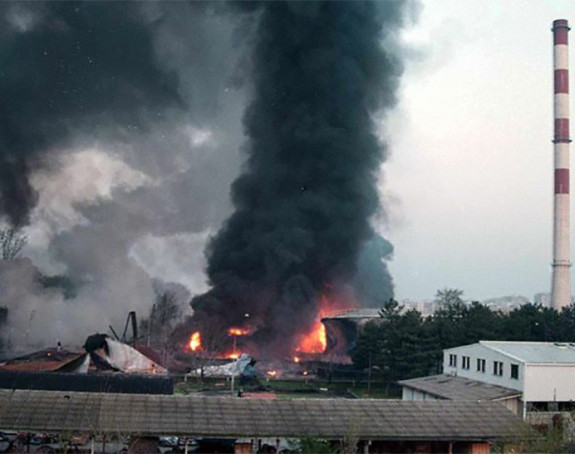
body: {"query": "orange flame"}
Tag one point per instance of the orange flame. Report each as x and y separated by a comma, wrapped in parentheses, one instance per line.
(195, 342)
(234, 355)
(314, 342)
(272, 373)
(296, 359)
(238, 332)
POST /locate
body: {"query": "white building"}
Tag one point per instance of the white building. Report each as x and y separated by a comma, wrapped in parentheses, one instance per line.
(542, 372)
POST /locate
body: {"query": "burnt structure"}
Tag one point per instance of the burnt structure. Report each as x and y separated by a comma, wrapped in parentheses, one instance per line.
(342, 329)
(93, 383)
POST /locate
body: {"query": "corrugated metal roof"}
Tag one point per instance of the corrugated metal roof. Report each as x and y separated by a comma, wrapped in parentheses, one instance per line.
(365, 312)
(232, 417)
(535, 352)
(459, 388)
(50, 359)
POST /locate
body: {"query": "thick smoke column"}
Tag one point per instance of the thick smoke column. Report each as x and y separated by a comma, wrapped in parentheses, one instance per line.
(70, 65)
(304, 201)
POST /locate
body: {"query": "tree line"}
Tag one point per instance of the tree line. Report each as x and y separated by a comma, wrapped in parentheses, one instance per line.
(405, 344)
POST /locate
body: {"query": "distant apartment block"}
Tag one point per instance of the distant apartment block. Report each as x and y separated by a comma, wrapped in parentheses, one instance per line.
(544, 299)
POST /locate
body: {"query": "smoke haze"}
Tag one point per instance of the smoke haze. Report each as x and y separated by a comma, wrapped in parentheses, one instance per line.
(114, 140)
(120, 136)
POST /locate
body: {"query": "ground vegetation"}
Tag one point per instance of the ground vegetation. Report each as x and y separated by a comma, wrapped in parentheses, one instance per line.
(403, 344)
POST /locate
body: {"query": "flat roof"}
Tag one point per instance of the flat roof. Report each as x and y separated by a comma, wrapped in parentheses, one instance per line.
(535, 352)
(459, 388)
(228, 417)
(366, 312)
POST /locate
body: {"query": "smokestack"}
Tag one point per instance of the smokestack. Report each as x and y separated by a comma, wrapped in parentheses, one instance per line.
(561, 288)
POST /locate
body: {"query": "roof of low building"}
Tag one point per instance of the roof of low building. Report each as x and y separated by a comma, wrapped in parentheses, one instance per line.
(459, 388)
(535, 352)
(366, 312)
(50, 359)
(234, 417)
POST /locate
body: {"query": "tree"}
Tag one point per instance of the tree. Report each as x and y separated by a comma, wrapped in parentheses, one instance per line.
(447, 320)
(165, 313)
(449, 298)
(405, 345)
(311, 445)
(397, 345)
(481, 323)
(11, 243)
(390, 310)
(566, 328)
(533, 322)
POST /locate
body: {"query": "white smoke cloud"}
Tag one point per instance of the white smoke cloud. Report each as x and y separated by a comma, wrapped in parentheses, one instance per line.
(135, 206)
(176, 258)
(82, 177)
(40, 317)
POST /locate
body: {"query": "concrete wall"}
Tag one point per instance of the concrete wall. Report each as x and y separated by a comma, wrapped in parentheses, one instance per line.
(476, 351)
(515, 405)
(414, 394)
(549, 383)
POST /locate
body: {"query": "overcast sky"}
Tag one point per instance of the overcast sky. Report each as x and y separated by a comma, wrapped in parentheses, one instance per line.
(469, 184)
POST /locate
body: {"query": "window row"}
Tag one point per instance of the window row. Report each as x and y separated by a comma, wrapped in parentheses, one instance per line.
(480, 366)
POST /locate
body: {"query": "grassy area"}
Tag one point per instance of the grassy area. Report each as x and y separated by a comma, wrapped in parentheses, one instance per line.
(322, 389)
(291, 385)
(294, 389)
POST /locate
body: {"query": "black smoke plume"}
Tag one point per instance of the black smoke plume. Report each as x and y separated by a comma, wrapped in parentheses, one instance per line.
(321, 73)
(65, 66)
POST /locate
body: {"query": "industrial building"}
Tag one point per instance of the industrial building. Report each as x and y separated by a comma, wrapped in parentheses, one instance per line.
(525, 376)
(372, 425)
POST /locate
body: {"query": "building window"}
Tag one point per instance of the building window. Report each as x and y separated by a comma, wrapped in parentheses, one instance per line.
(497, 368)
(515, 371)
(466, 361)
(480, 365)
(453, 360)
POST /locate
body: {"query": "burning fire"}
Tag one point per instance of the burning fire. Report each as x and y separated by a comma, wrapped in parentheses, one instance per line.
(234, 355)
(296, 359)
(272, 373)
(238, 332)
(315, 341)
(195, 342)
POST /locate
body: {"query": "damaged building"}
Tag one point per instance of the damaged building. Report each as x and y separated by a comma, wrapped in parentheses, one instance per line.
(104, 365)
(342, 329)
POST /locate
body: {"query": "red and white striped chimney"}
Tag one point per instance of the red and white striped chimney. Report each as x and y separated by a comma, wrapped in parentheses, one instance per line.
(561, 287)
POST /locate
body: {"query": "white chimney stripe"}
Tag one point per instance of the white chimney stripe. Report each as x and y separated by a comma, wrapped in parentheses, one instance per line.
(560, 56)
(561, 105)
(562, 156)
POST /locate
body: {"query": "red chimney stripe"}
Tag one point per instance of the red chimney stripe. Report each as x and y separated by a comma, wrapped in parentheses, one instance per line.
(561, 81)
(560, 35)
(561, 128)
(561, 181)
